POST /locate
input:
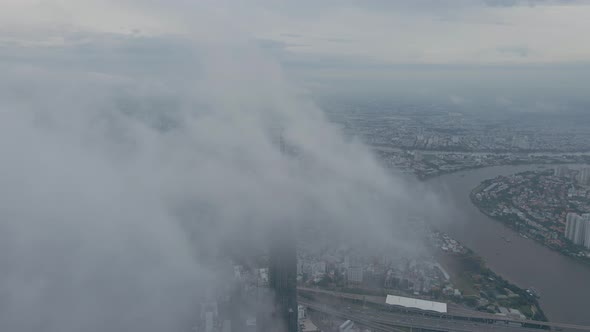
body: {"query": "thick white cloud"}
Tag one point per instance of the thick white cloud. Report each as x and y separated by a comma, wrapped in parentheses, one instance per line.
(131, 164)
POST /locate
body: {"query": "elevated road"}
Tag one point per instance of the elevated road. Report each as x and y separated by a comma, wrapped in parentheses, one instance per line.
(457, 319)
(381, 321)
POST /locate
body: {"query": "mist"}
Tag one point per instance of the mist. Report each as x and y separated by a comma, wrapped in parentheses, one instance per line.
(131, 173)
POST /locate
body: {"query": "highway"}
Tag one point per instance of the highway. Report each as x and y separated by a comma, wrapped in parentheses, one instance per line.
(458, 319)
(388, 321)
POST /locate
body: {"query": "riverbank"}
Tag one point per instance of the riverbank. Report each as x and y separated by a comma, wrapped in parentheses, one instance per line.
(485, 290)
(495, 198)
(430, 164)
(551, 162)
(561, 282)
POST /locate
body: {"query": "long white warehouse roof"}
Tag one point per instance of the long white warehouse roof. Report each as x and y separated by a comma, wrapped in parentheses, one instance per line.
(416, 303)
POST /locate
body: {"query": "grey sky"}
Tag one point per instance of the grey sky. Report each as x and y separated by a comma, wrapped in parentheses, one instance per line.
(423, 31)
(395, 48)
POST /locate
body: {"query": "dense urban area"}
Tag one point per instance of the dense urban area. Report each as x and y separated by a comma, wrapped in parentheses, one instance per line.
(440, 127)
(549, 206)
(453, 274)
(434, 141)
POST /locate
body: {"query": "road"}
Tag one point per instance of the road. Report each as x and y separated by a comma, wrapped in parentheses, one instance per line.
(458, 319)
(391, 321)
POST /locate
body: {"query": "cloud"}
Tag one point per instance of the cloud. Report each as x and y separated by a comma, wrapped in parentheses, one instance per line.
(457, 100)
(290, 35)
(135, 166)
(338, 40)
(530, 3)
(520, 51)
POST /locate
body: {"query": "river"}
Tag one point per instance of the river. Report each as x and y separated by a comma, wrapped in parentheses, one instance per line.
(564, 284)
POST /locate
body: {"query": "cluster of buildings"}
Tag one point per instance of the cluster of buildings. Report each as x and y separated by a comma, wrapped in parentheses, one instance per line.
(445, 243)
(411, 276)
(260, 298)
(443, 128)
(434, 139)
(577, 228)
(419, 278)
(510, 312)
(253, 304)
(538, 204)
(427, 164)
(584, 176)
(425, 280)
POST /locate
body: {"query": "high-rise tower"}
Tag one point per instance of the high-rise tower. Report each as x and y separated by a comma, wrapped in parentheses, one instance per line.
(283, 279)
(283, 272)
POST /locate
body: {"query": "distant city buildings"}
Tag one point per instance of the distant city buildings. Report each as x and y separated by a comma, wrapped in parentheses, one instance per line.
(584, 176)
(535, 203)
(577, 228)
(210, 316)
(318, 269)
(560, 171)
(432, 163)
(436, 141)
(521, 143)
(435, 129)
(355, 274)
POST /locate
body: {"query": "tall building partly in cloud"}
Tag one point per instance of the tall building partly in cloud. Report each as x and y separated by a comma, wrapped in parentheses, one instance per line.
(282, 272)
(283, 279)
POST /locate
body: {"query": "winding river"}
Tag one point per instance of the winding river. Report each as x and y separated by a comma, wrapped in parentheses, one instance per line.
(564, 284)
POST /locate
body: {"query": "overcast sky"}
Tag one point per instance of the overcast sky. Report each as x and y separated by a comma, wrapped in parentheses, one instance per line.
(389, 31)
(527, 52)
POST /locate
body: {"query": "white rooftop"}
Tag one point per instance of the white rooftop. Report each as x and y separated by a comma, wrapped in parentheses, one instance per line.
(409, 302)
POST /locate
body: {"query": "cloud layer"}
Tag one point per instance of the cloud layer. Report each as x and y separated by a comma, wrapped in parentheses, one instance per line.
(134, 167)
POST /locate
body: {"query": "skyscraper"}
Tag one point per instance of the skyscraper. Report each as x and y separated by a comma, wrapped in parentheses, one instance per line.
(283, 279)
(584, 176)
(577, 228)
(579, 231)
(282, 272)
(355, 274)
(560, 171)
(570, 225)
